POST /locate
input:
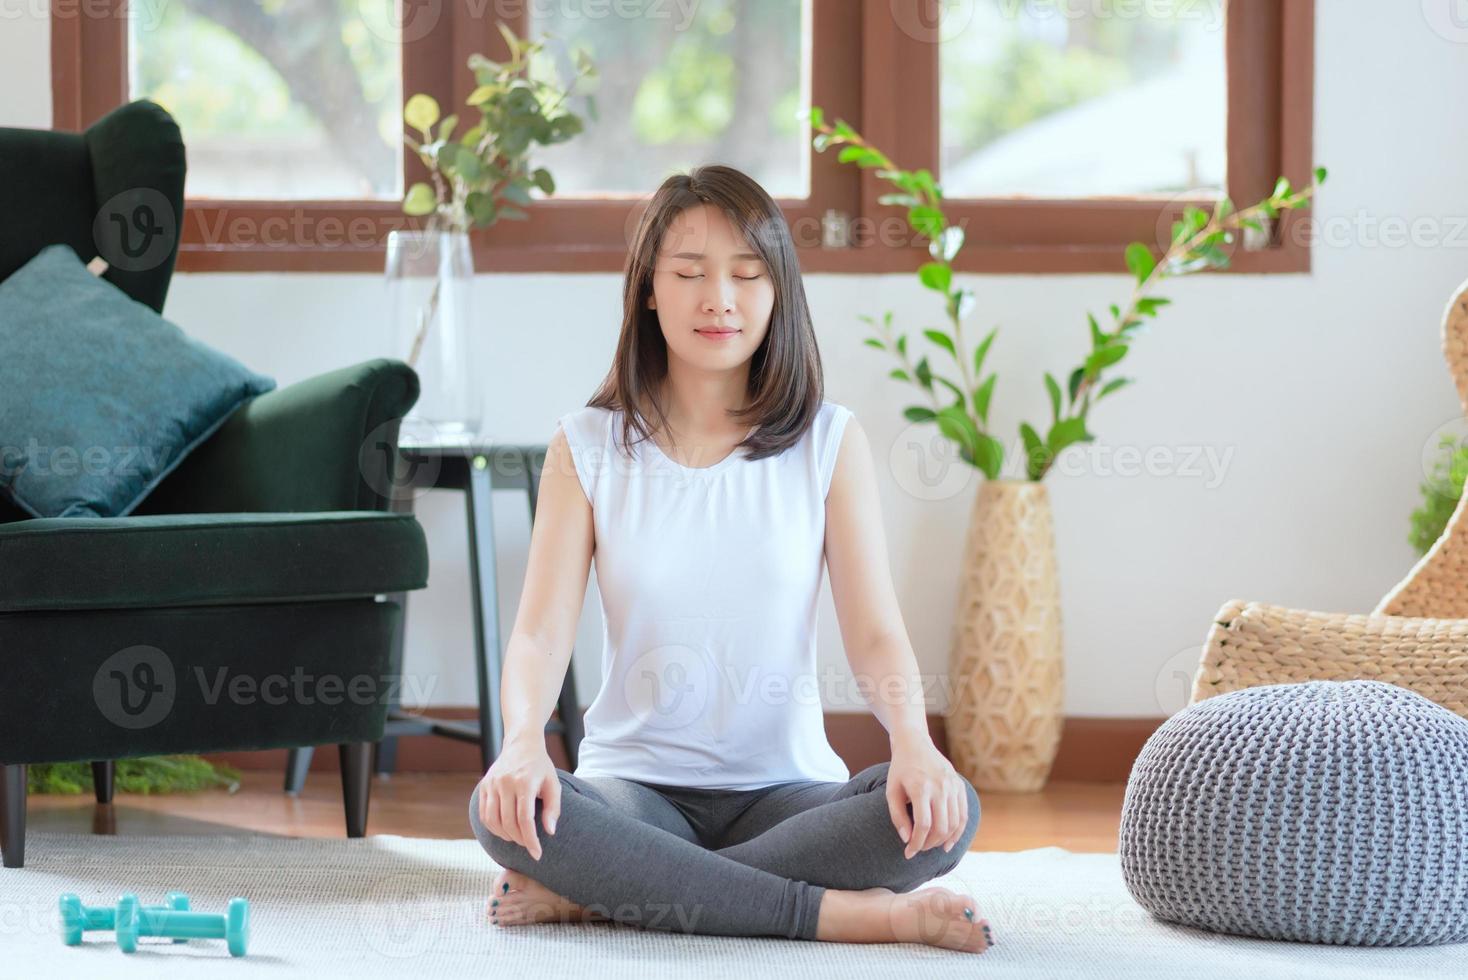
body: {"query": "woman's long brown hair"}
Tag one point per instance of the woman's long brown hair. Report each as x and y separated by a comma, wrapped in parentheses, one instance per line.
(785, 381)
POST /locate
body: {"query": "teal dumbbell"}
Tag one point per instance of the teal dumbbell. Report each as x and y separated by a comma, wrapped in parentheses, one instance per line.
(134, 921)
(77, 918)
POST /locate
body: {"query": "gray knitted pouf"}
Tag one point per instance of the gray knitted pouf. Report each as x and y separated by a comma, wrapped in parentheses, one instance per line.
(1326, 812)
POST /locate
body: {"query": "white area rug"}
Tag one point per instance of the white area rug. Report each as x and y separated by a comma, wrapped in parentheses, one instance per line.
(403, 907)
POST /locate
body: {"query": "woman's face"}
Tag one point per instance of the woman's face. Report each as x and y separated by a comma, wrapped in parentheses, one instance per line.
(712, 292)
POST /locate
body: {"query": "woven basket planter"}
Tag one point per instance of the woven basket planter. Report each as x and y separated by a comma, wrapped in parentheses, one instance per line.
(1004, 713)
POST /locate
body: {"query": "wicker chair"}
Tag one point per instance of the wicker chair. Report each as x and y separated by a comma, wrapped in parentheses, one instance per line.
(1416, 637)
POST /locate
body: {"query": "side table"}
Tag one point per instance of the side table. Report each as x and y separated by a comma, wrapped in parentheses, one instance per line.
(477, 471)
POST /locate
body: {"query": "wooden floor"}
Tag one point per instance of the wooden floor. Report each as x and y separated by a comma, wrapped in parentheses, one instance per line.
(1076, 816)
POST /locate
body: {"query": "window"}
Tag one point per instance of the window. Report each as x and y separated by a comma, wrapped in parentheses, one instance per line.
(1082, 99)
(722, 82)
(284, 100)
(1060, 129)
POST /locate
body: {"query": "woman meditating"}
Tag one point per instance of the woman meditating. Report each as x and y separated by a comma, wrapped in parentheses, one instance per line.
(711, 479)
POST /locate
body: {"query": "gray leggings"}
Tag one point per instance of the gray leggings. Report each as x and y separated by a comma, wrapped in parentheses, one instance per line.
(719, 861)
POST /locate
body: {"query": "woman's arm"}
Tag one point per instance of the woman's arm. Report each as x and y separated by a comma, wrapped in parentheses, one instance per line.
(538, 653)
(880, 654)
(872, 630)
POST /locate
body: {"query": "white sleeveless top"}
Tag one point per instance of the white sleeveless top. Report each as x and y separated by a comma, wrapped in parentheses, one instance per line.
(709, 582)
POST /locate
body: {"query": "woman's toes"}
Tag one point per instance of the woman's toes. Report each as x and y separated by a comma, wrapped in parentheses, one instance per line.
(517, 899)
(939, 917)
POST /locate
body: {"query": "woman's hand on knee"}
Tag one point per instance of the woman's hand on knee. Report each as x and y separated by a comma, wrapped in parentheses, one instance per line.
(521, 774)
(921, 776)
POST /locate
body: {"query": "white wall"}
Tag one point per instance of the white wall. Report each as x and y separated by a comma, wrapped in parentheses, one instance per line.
(1316, 392)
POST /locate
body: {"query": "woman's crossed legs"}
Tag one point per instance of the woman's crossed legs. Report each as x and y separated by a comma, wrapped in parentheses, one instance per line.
(806, 860)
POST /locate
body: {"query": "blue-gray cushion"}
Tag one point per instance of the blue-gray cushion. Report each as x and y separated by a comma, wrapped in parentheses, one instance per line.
(100, 397)
(1326, 812)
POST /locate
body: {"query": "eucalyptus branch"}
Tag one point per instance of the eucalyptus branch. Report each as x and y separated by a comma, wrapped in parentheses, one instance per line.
(483, 175)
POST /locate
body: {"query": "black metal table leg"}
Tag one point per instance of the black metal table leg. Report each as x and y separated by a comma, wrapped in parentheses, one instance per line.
(297, 764)
(484, 596)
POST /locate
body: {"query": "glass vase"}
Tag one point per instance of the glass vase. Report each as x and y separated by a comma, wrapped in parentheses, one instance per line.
(429, 278)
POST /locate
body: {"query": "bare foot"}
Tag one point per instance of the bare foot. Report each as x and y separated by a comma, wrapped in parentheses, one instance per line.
(931, 916)
(526, 900)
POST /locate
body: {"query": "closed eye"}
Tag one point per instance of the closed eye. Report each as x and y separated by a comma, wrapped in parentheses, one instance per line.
(745, 278)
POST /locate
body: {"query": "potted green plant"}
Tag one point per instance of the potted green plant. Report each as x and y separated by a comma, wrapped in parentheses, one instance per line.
(1006, 656)
(479, 174)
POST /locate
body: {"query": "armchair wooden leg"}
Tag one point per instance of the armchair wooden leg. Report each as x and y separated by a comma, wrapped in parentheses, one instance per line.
(103, 774)
(297, 764)
(12, 814)
(356, 765)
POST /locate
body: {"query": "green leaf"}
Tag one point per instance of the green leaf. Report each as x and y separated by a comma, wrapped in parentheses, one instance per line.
(982, 351)
(482, 209)
(941, 339)
(1098, 339)
(1036, 455)
(483, 94)
(516, 191)
(957, 391)
(899, 374)
(863, 156)
(926, 220)
(1194, 220)
(955, 423)
(419, 200)
(1281, 188)
(1149, 305)
(874, 342)
(1104, 358)
(511, 41)
(1074, 383)
(421, 112)
(982, 395)
(1111, 386)
(544, 180)
(1067, 432)
(1053, 387)
(446, 126)
(924, 374)
(1320, 174)
(459, 161)
(918, 413)
(1139, 259)
(817, 117)
(902, 345)
(936, 276)
(990, 456)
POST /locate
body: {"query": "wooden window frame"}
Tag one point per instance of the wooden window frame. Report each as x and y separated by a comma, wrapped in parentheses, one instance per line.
(865, 69)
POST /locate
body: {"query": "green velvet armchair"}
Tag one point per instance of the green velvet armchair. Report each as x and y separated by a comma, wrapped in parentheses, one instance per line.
(244, 605)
